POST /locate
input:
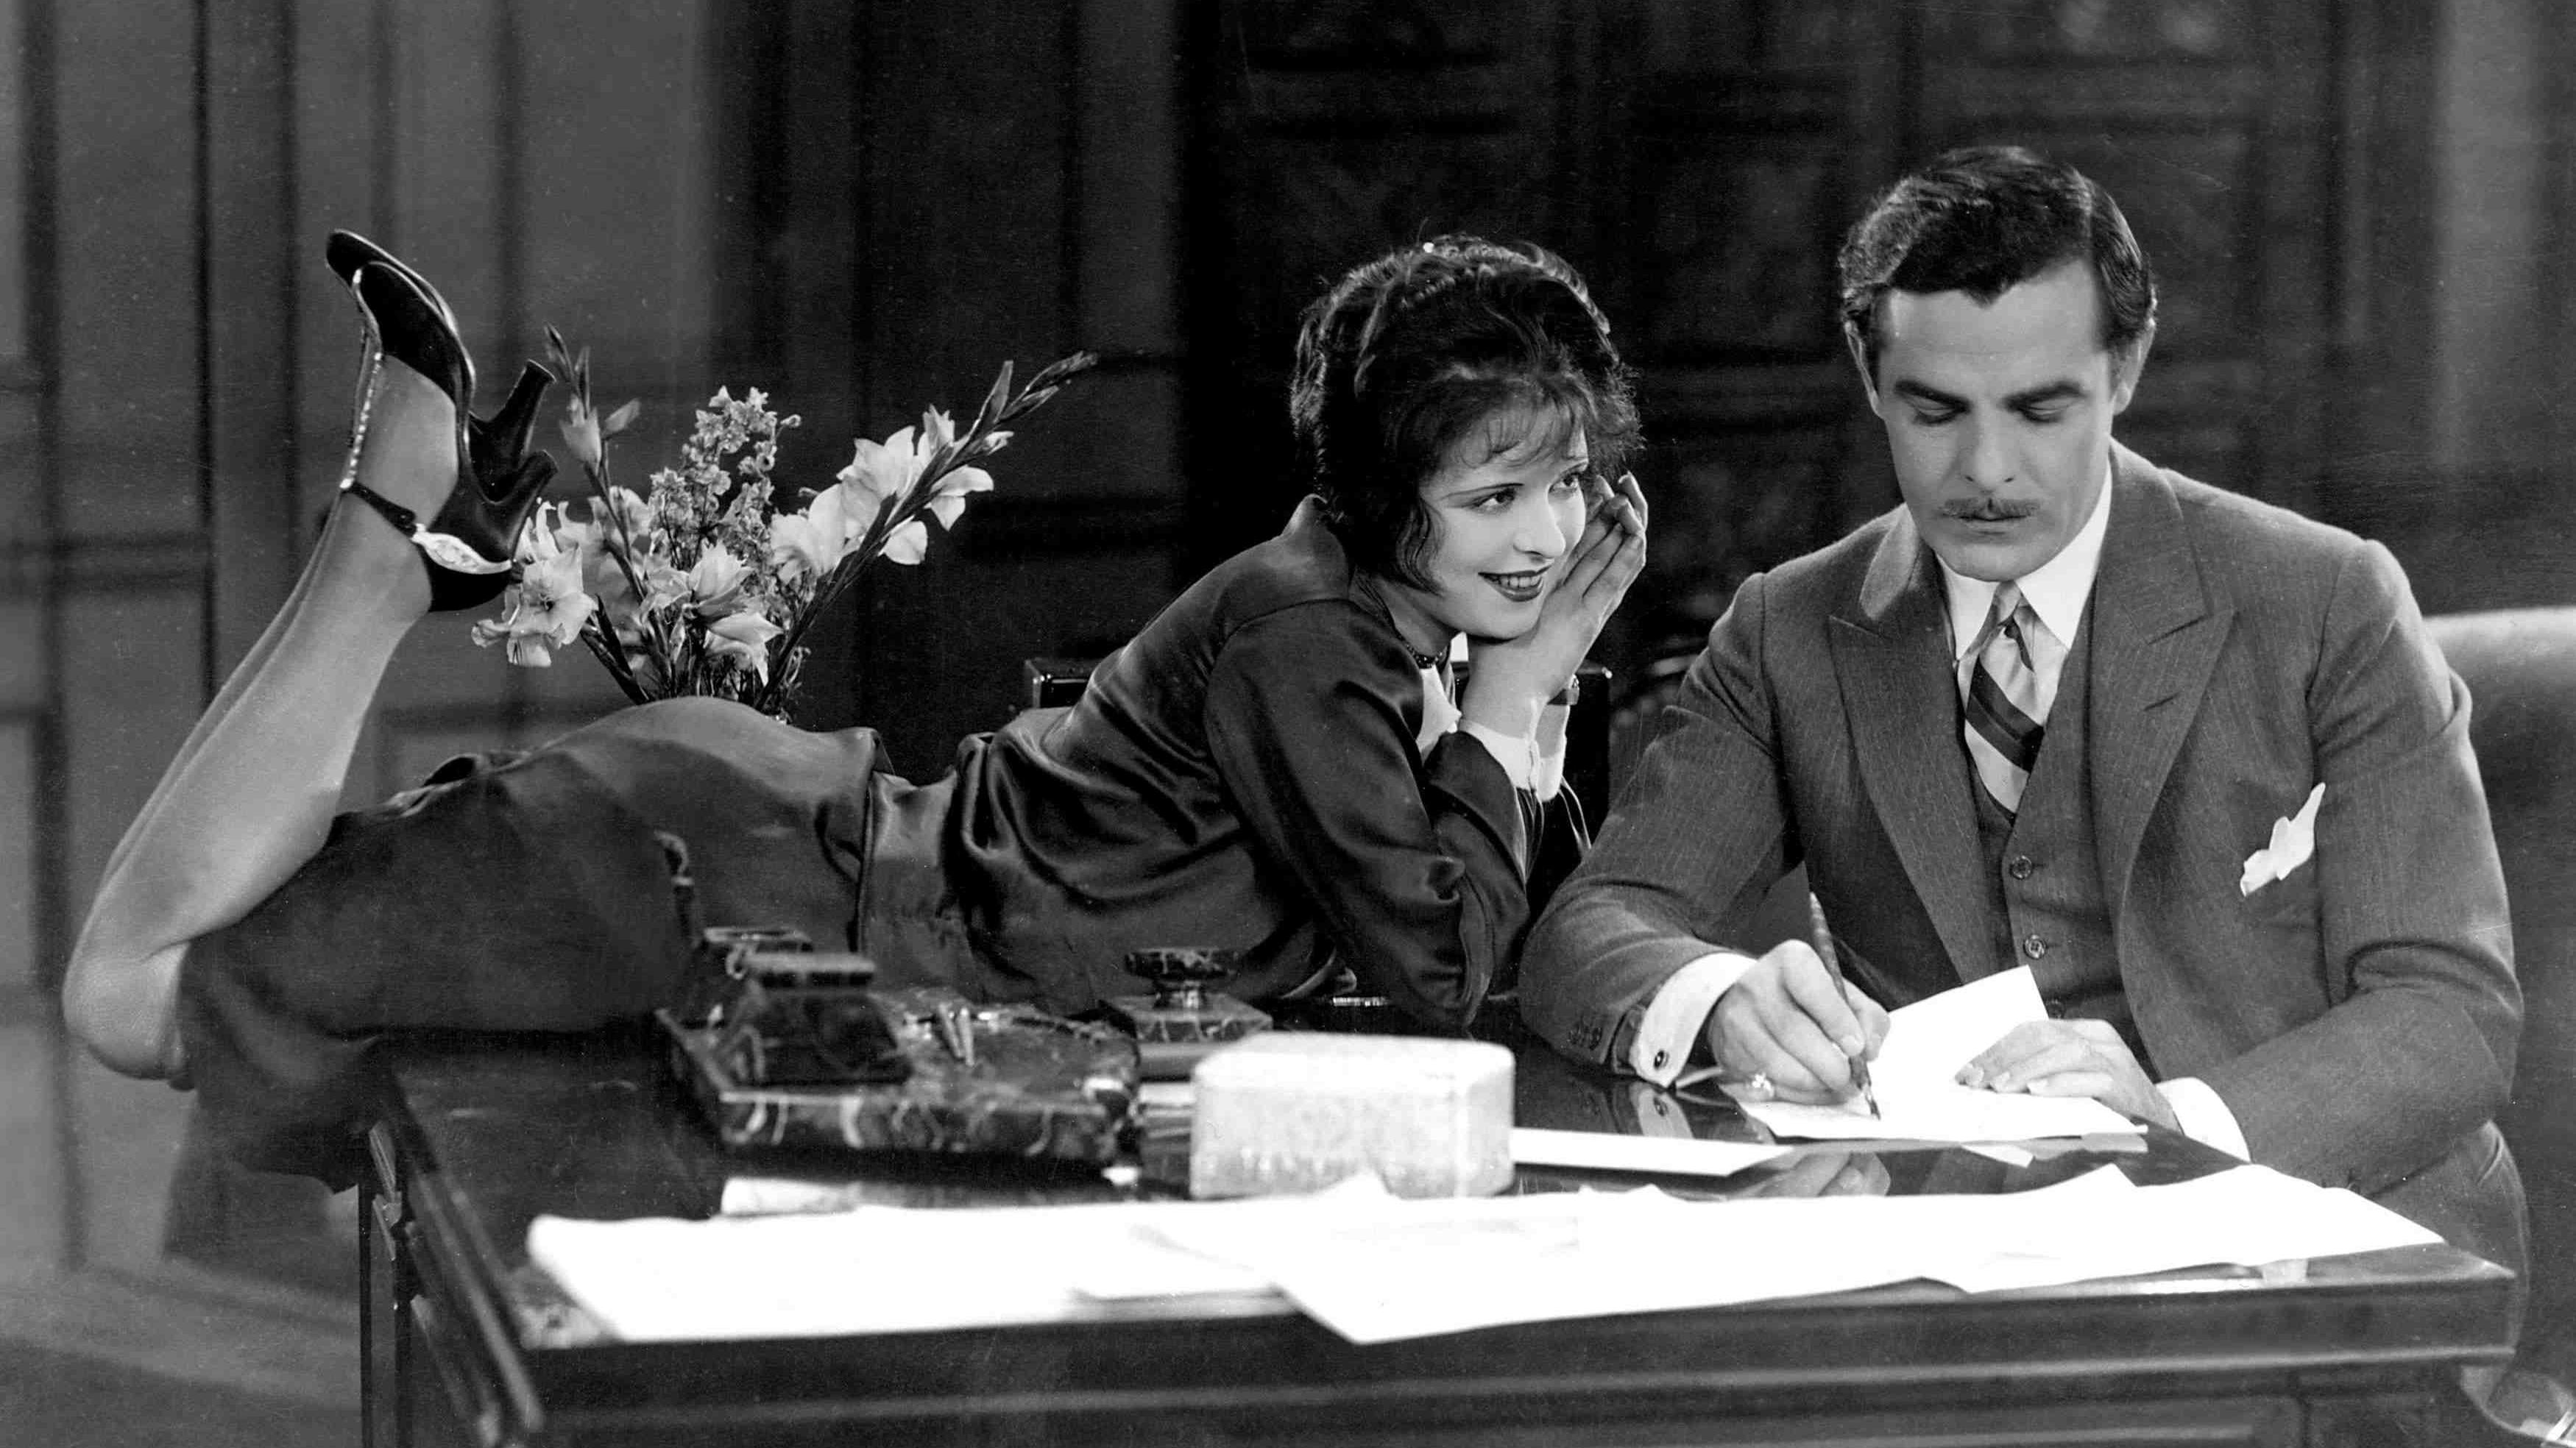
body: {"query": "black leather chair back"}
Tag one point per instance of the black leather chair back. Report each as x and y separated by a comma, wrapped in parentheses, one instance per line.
(2520, 666)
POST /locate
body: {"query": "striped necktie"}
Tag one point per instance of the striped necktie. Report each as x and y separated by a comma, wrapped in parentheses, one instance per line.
(2002, 708)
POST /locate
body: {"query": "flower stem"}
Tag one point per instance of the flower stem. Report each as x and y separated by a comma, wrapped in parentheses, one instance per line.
(604, 649)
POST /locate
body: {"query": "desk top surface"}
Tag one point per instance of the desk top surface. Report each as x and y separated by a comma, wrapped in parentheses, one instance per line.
(490, 1133)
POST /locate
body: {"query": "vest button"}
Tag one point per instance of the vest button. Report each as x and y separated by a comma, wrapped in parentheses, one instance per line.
(2021, 867)
(2034, 947)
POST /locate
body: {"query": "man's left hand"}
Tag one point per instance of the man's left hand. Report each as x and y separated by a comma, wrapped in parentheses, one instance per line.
(2071, 1058)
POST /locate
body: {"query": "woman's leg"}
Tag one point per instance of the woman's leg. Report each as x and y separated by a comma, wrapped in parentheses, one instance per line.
(251, 795)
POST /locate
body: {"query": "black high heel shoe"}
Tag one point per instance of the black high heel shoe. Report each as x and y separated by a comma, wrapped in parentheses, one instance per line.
(468, 546)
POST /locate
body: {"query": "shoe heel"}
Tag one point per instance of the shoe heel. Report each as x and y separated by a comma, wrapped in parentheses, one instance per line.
(510, 430)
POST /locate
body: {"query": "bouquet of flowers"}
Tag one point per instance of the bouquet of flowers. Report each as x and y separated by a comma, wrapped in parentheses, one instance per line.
(700, 585)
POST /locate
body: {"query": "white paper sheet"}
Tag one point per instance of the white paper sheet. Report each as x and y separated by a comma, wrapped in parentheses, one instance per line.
(1927, 1042)
(1375, 1268)
(1608, 1151)
(874, 1269)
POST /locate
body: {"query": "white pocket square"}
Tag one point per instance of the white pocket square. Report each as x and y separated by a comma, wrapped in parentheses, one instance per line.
(2293, 840)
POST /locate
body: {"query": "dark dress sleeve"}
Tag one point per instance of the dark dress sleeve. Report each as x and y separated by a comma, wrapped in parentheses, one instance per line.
(1416, 865)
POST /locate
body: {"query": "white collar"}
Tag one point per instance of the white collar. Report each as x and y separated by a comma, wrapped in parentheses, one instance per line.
(2055, 590)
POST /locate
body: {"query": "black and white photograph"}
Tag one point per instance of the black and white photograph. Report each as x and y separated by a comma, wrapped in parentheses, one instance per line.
(1363, 722)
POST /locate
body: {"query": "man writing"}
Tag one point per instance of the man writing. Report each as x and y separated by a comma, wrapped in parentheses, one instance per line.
(2042, 714)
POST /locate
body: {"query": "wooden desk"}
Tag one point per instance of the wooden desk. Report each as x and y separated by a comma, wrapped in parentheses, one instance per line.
(479, 1137)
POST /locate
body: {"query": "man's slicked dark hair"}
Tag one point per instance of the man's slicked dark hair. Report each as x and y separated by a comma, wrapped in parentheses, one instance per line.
(1409, 353)
(1983, 219)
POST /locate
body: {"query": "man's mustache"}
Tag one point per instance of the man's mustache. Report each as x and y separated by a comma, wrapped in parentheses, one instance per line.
(1987, 510)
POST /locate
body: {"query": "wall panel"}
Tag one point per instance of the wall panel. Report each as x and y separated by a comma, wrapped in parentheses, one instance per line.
(251, 353)
(340, 126)
(1127, 181)
(22, 998)
(622, 92)
(121, 717)
(35, 1227)
(16, 321)
(25, 517)
(127, 284)
(450, 75)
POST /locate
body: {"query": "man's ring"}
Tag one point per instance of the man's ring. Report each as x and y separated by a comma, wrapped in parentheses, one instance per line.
(1757, 1086)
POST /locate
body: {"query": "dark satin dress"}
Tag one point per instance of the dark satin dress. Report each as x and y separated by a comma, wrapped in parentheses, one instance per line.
(1244, 773)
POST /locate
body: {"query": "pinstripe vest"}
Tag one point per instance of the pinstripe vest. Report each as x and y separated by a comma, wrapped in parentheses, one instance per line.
(2043, 898)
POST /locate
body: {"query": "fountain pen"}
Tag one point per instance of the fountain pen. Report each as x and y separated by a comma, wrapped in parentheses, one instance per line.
(1823, 940)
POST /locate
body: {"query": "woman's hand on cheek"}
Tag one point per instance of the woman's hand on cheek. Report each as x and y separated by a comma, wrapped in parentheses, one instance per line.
(1513, 678)
(1629, 501)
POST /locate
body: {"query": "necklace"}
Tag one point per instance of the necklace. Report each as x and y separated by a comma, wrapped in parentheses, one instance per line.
(1426, 661)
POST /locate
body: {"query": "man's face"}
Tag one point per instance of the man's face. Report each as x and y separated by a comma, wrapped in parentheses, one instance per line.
(1999, 416)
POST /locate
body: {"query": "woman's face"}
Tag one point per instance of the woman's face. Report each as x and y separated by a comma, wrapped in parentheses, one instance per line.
(1506, 510)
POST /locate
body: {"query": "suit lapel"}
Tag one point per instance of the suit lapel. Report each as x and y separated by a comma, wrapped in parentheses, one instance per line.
(1891, 649)
(2156, 636)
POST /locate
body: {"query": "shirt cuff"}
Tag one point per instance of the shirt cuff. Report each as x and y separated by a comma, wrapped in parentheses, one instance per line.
(1549, 776)
(1679, 1011)
(2204, 1116)
(1528, 763)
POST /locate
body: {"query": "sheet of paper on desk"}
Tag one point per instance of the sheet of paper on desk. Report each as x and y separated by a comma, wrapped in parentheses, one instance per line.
(1927, 1042)
(1587, 1254)
(1611, 1151)
(1375, 1268)
(871, 1269)
(2248, 1217)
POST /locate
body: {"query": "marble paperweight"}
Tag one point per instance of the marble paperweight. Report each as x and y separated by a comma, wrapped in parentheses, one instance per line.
(1290, 1111)
(948, 1077)
(1185, 1005)
(1186, 1017)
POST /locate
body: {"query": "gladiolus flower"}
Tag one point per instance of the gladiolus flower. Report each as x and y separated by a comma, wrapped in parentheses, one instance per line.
(884, 471)
(580, 428)
(715, 583)
(744, 637)
(543, 611)
(937, 432)
(633, 514)
(812, 542)
(908, 544)
(664, 585)
(950, 500)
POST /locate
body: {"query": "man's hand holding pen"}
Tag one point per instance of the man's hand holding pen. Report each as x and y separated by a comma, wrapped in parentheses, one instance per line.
(1788, 1022)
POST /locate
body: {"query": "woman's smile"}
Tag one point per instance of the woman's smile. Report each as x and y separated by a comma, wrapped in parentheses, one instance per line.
(1520, 587)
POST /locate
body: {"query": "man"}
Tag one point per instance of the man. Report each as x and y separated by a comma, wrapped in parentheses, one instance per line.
(2049, 712)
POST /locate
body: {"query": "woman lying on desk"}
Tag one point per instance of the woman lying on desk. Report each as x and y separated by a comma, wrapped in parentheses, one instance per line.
(1272, 764)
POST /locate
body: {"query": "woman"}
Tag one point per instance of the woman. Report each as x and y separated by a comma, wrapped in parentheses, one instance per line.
(1272, 764)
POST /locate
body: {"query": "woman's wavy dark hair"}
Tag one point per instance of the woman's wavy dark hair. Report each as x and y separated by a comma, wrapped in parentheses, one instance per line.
(1410, 353)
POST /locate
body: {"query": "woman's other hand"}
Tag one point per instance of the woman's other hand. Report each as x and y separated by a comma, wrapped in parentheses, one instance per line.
(1511, 680)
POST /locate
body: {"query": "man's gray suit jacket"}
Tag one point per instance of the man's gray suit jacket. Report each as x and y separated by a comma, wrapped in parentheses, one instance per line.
(2359, 1017)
